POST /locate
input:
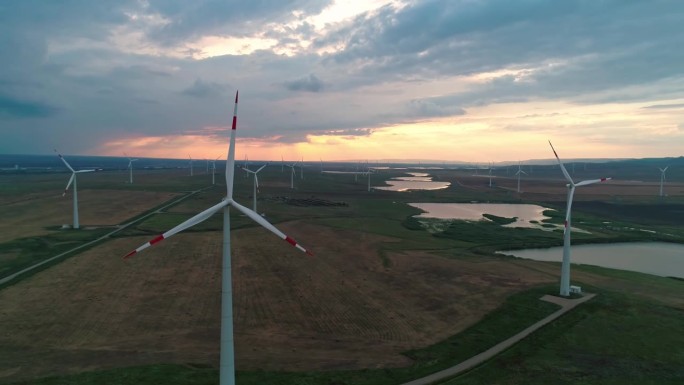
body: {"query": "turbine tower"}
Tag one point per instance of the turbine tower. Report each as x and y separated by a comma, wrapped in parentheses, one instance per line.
(292, 174)
(490, 175)
(256, 184)
(565, 269)
(130, 168)
(73, 179)
(227, 355)
(190, 164)
(520, 171)
(213, 170)
(662, 178)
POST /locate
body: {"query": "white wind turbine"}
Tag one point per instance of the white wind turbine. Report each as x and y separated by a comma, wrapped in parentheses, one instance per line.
(130, 168)
(213, 170)
(73, 179)
(227, 354)
(292, 174)
(565, 269)
(520, 171)
(490, 175)
(189, 157)
(256, 184)
(662, 178)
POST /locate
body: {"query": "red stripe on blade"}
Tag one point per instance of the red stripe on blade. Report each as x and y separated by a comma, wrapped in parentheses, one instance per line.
(566, 223)
(158, 239)
(290, 241)
(234, 122)
(604, 179)
(129, 254)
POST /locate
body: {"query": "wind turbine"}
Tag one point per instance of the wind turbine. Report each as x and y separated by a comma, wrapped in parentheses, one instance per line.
(565, 269)
(213, 170)
(190, 164)
(130, 168)
(73, 179)
(662, 178)
(292, 174)
(520, 171)
(227, 355)
(490, 175)
(256, 183)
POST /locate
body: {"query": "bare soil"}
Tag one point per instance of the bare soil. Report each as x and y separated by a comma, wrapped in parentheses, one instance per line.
(30, 216)
(341, 309)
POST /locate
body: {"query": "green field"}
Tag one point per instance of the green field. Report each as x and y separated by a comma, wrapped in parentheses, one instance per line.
(627, 334)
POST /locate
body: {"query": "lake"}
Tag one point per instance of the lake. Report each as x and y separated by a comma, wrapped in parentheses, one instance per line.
(416, 181)
(525, 213)
(658, 258)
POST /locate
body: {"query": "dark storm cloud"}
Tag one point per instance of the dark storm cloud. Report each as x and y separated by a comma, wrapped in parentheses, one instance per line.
(308, 83)
(14, 108)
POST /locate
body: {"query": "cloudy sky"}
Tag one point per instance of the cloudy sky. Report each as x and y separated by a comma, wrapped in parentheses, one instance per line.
(471, 80)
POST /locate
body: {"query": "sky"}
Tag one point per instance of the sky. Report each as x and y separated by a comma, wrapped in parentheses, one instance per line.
(451, 80)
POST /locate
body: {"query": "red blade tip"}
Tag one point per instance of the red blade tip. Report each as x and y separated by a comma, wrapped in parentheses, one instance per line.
(129, 254)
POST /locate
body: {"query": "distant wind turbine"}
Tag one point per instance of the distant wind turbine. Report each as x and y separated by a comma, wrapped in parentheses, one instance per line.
(292, 174)
(189, 157)
(213, 170)
(490, 175)
(520, 171)
(227, 353)
(256, 184)
(565, 269)
(662, 178)
(130, 168)
(73, 179)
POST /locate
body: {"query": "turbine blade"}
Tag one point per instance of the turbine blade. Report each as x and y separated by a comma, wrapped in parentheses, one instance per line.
(201, 217)
(260, 168)
(82, 171)
(565, 172)
(568, 209)
(65, 162)
(73, 175)
(592, 181)
(256, 181)
(230, 160)
(260, 220)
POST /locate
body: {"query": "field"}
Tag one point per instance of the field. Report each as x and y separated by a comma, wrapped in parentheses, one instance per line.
(378, 303)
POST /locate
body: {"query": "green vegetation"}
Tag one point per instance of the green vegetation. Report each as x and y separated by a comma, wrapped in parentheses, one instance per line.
(500, 220)
(613, 339)
(21, 253)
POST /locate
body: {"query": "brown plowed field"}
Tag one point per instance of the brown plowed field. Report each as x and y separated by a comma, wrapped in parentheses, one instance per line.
(339, 309)
(29, 217)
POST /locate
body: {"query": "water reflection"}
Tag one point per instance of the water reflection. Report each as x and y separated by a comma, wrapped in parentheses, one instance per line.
(658, 258)
(417, 181)
(526, 215)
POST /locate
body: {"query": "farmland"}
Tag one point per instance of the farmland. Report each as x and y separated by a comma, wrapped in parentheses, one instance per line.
(375, 305)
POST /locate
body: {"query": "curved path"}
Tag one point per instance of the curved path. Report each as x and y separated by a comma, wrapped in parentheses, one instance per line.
(119, 228)
(566, 305)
